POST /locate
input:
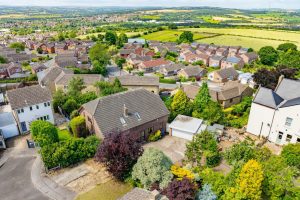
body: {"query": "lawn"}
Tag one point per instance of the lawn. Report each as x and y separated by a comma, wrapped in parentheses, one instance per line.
(170, 35)
(110, 190)
(64, 134)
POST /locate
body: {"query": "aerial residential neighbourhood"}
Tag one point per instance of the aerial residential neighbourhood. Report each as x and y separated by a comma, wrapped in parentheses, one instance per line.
(149, 100)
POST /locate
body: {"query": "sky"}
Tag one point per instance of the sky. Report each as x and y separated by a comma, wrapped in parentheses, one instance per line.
(244, 4)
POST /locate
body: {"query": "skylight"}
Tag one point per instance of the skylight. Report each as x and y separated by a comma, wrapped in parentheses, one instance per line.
(137, 116)
(123, 121)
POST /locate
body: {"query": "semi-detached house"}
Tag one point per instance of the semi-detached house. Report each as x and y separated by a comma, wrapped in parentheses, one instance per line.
(29, 104)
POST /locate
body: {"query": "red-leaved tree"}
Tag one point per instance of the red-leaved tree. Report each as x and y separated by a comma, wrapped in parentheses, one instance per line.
(180, 190)
(119, 152)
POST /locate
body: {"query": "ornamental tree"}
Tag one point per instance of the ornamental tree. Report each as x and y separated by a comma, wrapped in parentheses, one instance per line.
(202, 98)
(180, 190)
(206, 193)
(119, 152)
(180, 103)
(250, 181)
(153, 166)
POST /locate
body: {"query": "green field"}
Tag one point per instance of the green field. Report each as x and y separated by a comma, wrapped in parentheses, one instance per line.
(172, 35)
(129, 34)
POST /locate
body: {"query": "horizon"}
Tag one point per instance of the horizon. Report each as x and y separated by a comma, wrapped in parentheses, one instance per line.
(234, 4)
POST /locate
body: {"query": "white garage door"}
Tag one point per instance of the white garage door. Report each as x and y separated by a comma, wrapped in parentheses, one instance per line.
(181, 134)
(10, 131)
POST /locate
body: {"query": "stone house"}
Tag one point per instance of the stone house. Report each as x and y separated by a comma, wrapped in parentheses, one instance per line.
(223, 75)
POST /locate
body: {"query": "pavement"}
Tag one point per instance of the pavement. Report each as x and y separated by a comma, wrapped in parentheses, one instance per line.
(21, 175)
(172, 147)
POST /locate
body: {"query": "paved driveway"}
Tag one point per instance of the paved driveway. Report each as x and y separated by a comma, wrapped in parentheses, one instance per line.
(173, 147)
(15, 174)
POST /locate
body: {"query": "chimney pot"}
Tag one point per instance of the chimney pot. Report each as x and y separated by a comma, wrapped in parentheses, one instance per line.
(125, 110)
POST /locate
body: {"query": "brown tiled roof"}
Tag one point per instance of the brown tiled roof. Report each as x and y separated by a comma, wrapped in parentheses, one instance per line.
(52, 73)
(109, 111)
(28, 96)
(154, 63)
(225, 73)
(191, 90)
(193, 70)
(88, 79)
(130, 80)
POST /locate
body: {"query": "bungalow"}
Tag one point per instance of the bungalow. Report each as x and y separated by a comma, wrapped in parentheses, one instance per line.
(150, 83)
(233, 50)
(135, 112)
(29, 104)
(20, 57)
(65, 61)
(153, 65)
(243, 50)
(89, 80)
(60, 47)
(223, 75)
(134, 60)
(192, 72)
(232, 62)
(186, 127)
(172, 69)
(10, 70)
(249, 58)
(37, 67)
(222, 51)
(124, 53)
(215, 61)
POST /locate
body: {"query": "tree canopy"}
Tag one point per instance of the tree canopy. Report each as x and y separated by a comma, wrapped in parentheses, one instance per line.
(186, 37)
(268, 55)
(287, 46)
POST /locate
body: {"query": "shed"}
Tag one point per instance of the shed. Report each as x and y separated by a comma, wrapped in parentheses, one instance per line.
(186, 127)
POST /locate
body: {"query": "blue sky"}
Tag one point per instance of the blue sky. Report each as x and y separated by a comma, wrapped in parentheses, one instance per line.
(287, 4)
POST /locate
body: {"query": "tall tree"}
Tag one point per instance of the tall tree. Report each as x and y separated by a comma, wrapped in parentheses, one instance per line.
(75, 86)
(122, 39)
(287, 46)
(268, 55)
(202, 98)
(186, 37)
(100, 53)
(119, 152)
(111, 37)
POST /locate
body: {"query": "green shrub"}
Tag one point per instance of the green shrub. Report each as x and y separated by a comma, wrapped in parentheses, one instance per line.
(212, 158)
(169, 81)
(43, 132)
(154, 136)
(291, 154)
(66, 153)
(78, 127)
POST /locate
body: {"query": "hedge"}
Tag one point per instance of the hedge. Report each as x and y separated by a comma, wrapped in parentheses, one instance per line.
(43, 132)
(78, 127)
(69, 152)
(170, 81)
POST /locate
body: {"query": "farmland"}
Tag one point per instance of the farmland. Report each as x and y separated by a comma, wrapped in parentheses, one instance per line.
(173, 35)
(129, 34)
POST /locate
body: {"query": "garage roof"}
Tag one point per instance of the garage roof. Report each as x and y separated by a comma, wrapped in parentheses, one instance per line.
(6, 119)
(187, 124)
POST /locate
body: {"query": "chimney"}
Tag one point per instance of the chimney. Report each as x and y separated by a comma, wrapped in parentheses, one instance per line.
(125, 111)
(281, 77)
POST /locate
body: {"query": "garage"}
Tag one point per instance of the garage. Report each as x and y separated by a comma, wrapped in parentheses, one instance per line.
(8, 125)
(186, 127)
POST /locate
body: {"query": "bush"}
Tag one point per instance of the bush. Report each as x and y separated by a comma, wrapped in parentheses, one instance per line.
(43, 132)
(154, 136)
(243, 151)
(169, 81)
(206, 193)
(74, 114)
(181, 173)
(70, 105)
(78, 127)
(291, 154)
(212, 158)
(180, 190)
(68, 152)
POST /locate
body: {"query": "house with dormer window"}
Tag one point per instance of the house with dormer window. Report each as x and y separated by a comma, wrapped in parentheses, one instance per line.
(136, 112)
(29, 104)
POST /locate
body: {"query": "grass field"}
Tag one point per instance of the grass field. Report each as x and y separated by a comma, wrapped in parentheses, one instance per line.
(110, 190)
(171, 35)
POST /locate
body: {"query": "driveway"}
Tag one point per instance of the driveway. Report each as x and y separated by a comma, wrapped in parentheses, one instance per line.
(16, 173)
(173, 147)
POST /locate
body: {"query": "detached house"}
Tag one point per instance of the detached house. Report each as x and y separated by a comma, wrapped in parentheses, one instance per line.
(223, 75)
(249, 57)
(135, 112)
(274, 114)
(235, 62)
(153, 65)
(29, 104)
(192, 72)
(215, 61)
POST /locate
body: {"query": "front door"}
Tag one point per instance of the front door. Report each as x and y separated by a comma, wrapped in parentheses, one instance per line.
(23, 126)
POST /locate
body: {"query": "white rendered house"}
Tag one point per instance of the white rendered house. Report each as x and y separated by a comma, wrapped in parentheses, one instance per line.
(275, 115)
(30, 104)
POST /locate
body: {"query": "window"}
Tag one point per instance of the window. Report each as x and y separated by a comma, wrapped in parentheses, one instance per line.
(19, 111)
(231, 100)
(22, 110)
(45, 104)
(288, 138)
(137, 115)
(37, 106)
(48, 103)
(298, 140)
(47, 117)
(280, 135)
(150, 130)
(288, 121)
(30, 108)
(123, 121)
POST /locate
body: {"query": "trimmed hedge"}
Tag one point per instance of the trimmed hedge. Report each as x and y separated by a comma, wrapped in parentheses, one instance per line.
(43, 132)
(69, 152)
(169, 81)
(78, 127)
